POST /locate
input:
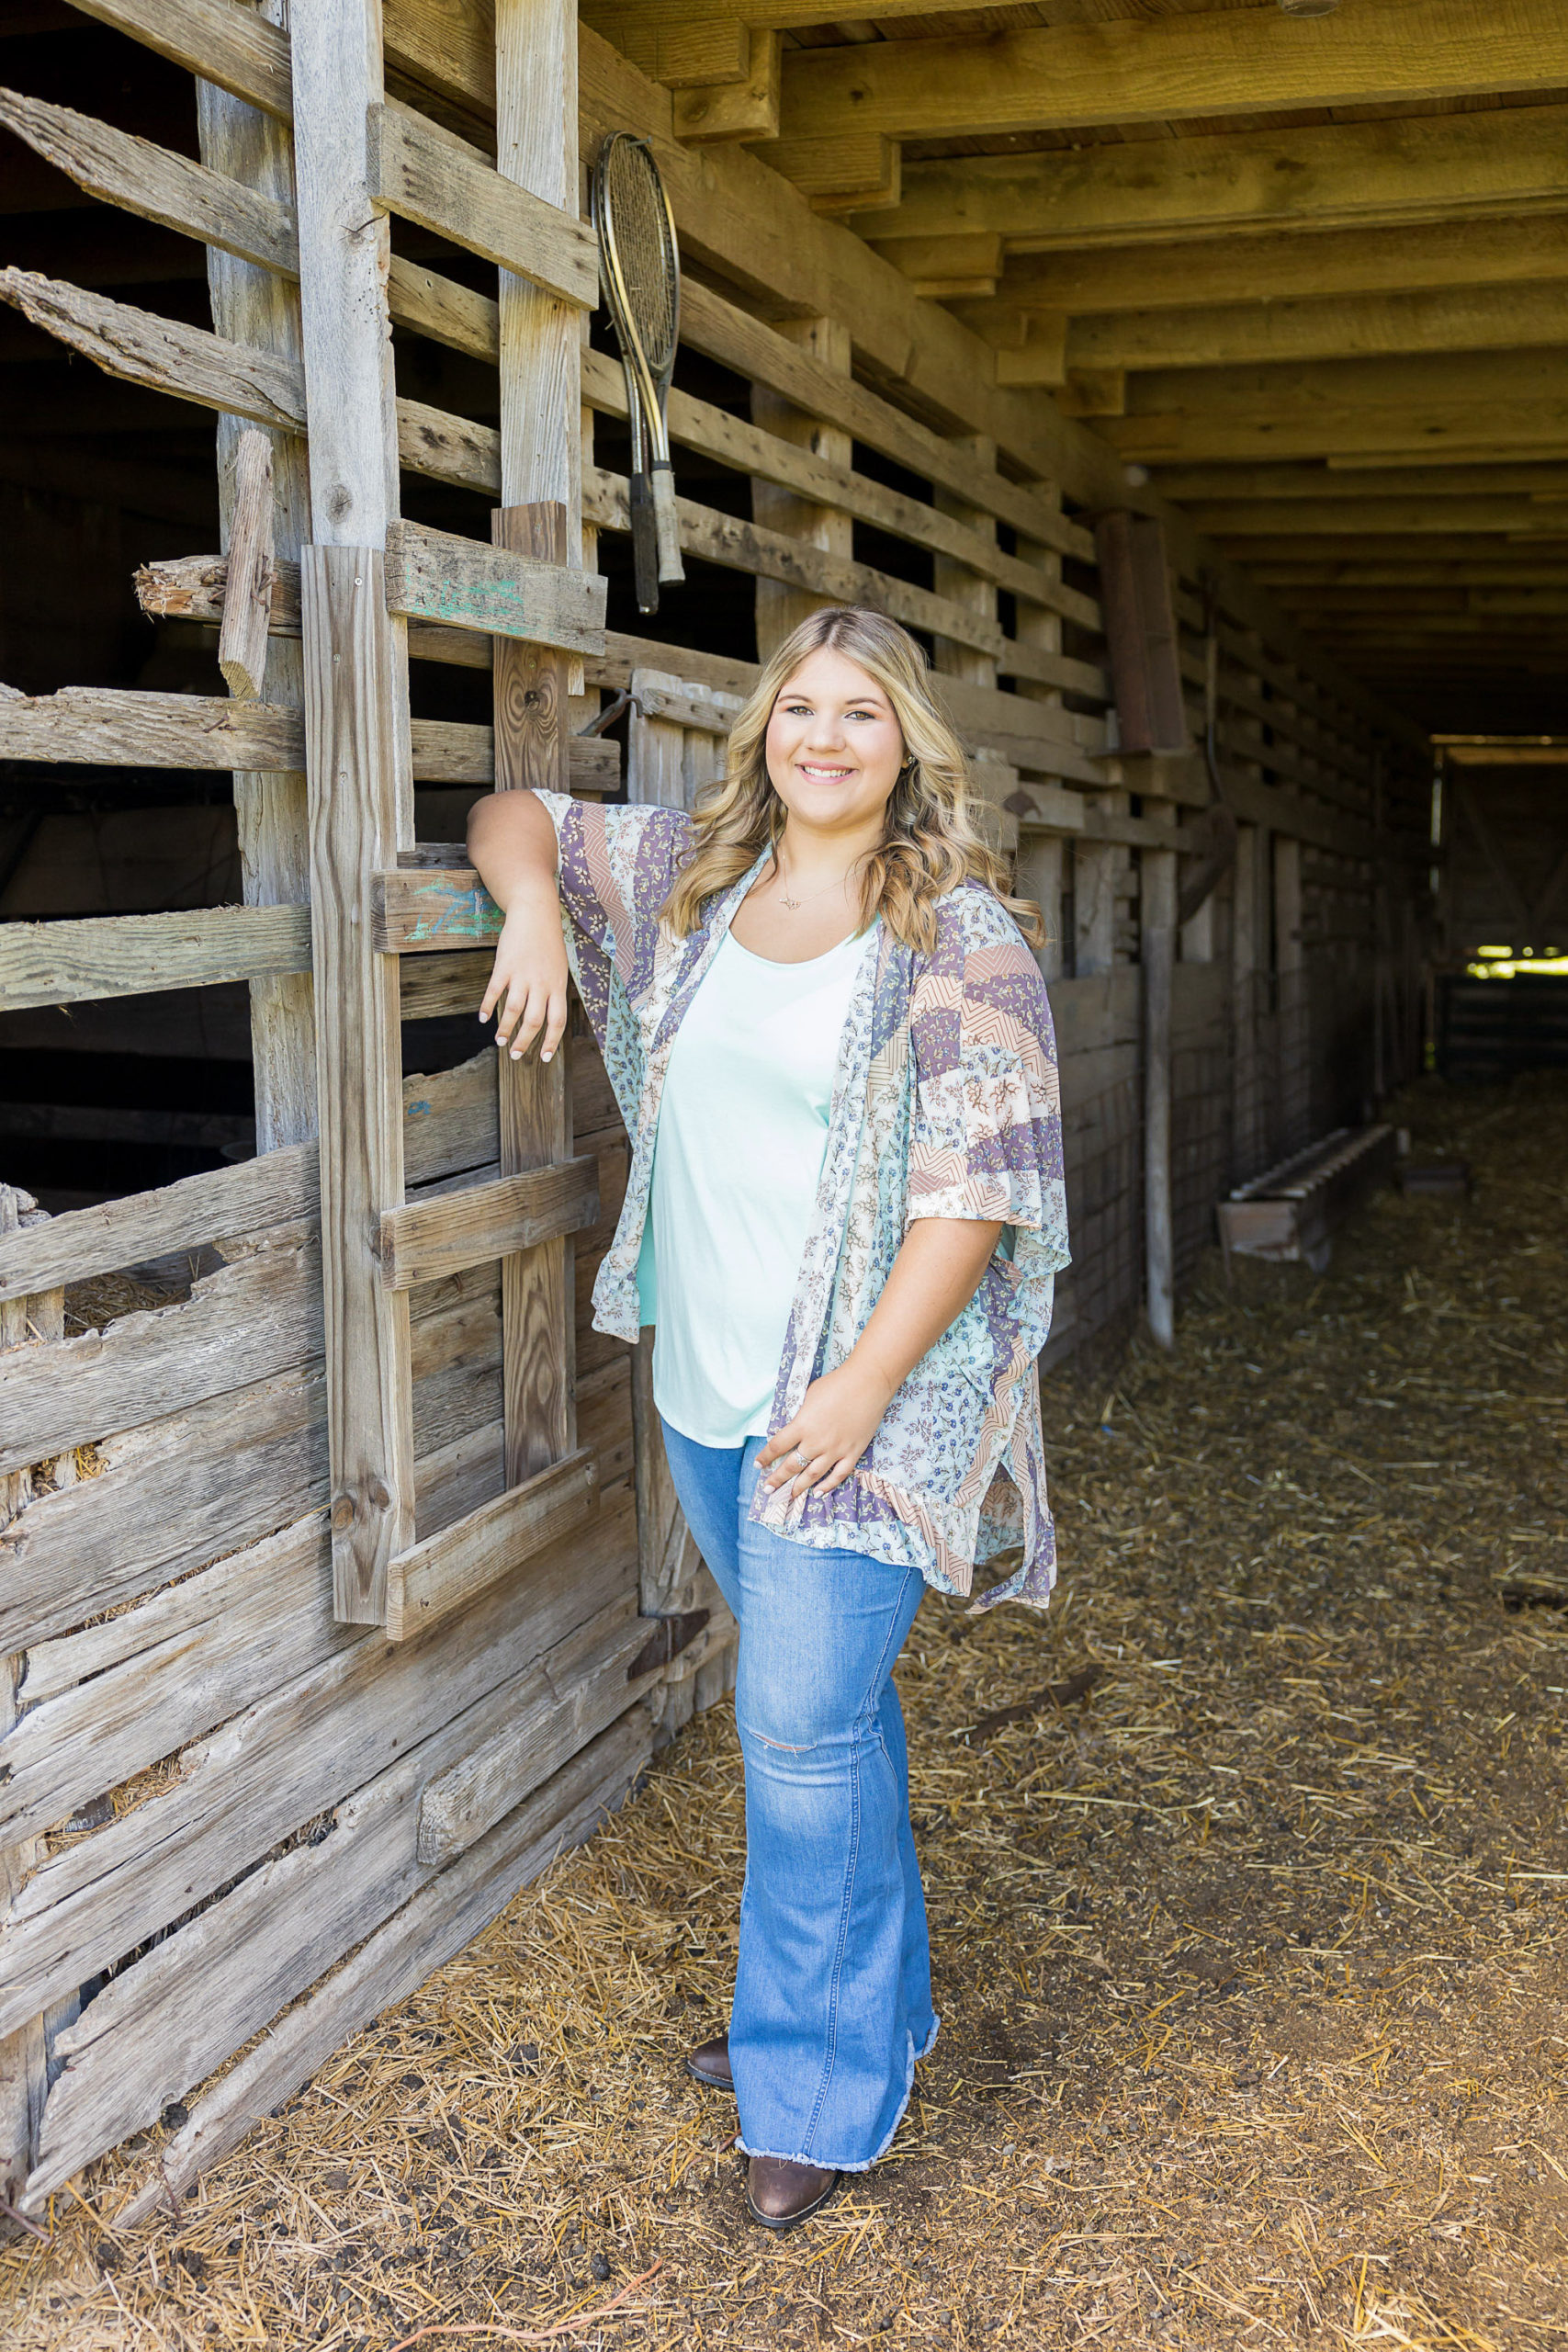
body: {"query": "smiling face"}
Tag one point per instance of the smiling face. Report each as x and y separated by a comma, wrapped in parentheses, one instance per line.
(834, 747)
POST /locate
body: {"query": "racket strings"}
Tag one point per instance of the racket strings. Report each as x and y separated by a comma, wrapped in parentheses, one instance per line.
(640, 227)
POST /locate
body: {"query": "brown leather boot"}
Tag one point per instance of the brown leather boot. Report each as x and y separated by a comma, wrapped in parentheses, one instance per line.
(709, 2063)
(781, 2195)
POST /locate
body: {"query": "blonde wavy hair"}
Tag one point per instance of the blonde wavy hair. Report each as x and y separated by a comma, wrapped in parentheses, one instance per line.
(931, 844)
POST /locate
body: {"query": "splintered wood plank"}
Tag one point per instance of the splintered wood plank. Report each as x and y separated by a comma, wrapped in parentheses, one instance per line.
(187, 363)
(354, 813)
(146, 2042)
(427, 175)
(536, 1109)
(247, 611)
(440, 576)
(104, 956)
(428, 1930)
(428, 1239)
(300, 1750)
(447, 1571)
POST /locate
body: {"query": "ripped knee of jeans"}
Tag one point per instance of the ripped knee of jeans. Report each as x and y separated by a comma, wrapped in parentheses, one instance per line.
(775, 1741)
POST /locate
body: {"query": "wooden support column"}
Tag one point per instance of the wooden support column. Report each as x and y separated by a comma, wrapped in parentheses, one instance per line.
(541, 482)
(1157, 915)
(1097, 869)
(256, 308)
(360, 788)
(1043, 860)
(781, 608)
(1250, 955)
(1290, 964)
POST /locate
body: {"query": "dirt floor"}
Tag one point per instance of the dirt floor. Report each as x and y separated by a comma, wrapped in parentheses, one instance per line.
(1251, 1962)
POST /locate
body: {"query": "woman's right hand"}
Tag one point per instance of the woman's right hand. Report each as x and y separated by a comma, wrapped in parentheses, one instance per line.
(527, 981)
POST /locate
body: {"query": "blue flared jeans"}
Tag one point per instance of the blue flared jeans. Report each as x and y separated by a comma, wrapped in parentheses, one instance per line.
(832, 1993)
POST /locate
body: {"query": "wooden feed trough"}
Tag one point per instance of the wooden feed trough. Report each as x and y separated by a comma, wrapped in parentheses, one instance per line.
(1290, 1212)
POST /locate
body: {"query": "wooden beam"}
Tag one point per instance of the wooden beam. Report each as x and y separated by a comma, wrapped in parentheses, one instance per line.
(1524, 477)
(156, 183)
(1228, 334)
(746, 108)
(687, 55)
(101, 956)
(447, 1232)
(187, 362)
(1264, 268)
(238, 49)
(850, 172)
(424, 174)
(458, 582)
(1235, 62)
(432, 1579)
(1401, 170)
(1412, 515)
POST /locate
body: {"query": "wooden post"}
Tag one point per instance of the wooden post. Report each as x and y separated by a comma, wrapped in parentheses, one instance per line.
(781, 608)
(256, 308)
(1096, 871)
(1043, 860)
(541, 481)
(1157, 912)
(360, 787)
(1290, 963)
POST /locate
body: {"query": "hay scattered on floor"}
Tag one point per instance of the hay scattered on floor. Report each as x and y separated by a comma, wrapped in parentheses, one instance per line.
(1251, 1961)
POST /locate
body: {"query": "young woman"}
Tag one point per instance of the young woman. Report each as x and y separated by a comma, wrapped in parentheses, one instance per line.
(833, 1052)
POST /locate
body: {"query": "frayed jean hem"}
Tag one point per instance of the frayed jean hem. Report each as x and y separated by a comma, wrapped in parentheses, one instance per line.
(853, 2164)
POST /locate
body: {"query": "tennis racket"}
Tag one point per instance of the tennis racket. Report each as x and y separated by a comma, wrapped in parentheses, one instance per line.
(640, 265)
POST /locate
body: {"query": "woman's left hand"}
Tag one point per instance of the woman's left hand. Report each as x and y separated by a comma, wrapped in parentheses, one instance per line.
(836, 1421)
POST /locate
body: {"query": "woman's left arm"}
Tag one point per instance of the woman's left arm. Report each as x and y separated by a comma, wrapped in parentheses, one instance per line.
(934, 1276)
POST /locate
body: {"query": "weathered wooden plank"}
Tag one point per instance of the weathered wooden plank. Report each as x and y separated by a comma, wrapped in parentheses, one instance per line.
(531, 688)
(449, 1124)
(104, 955)
(426, 909)
(235, 48)
(441, 1235)
(244, 1323)
(426, 173)
(242, 638)
(496, 1772)
(360, 812)
(245, 151)
(172, 1494)
(187, 363)
(287, 1758)
(145, 2042)
(439, 576)
(119, 727)
(152, 181)
(437, 1923)
(446, 1573)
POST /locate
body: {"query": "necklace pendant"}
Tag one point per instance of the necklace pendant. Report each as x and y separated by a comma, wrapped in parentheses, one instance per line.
(793, 904)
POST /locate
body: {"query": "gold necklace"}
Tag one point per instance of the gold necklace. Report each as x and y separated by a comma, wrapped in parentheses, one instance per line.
(794, 904)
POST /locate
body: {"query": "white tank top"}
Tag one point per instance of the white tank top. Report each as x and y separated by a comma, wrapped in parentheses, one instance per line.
(742, 1130)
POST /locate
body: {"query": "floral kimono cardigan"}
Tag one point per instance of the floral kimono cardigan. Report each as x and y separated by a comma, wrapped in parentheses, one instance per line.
(945, 1104)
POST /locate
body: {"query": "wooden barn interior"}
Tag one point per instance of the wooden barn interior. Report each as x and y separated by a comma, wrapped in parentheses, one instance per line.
(1189, 377)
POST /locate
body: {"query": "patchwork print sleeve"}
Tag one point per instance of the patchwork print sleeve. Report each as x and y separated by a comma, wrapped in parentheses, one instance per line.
(616, 868)
(987, 1120)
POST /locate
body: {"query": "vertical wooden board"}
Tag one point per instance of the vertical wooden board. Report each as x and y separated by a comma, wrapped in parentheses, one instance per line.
(1041, 871)
(781, 608)
(957, 582)
(256, 306)
(657, 765)
(1158, 908)
(1140, 629)
(1290, 963)
(531, 753)
(355, 794)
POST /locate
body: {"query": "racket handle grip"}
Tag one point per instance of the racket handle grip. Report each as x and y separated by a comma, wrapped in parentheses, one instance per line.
(671, 568)
(644, 544)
